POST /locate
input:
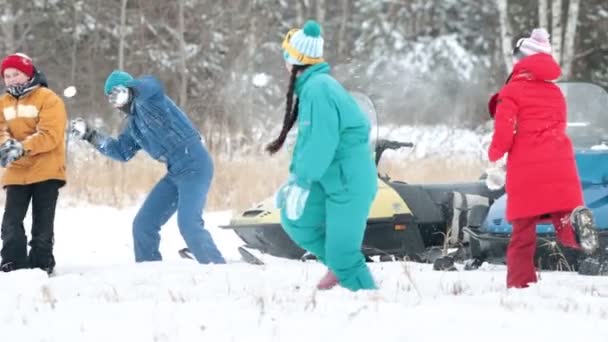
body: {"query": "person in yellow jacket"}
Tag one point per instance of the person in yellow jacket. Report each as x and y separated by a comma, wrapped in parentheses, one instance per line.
(32, 149)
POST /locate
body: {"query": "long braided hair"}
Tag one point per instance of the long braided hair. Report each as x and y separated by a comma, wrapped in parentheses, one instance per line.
(291, 111)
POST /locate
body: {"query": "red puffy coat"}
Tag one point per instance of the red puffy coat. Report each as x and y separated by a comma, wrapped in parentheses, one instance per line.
(530, 125)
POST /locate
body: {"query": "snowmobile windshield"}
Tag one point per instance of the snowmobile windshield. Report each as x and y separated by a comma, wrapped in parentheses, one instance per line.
(587, 114)
(367, 105)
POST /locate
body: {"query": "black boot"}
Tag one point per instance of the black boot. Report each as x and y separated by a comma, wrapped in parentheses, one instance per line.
(593, 266)
(9, 267)
(444, 263)
(42, 259)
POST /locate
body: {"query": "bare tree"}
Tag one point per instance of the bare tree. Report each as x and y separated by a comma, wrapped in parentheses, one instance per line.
(121, 39)
(569, 38)
(15, 29)
(345, 18)
(74, 55)
(556, 30)
(183, 70)
(505, 32)
(320, 9)
(543, 15)
(303, 11)
(8, 28)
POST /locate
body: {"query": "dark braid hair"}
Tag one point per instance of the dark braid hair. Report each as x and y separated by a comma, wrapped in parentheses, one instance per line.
(291, 111)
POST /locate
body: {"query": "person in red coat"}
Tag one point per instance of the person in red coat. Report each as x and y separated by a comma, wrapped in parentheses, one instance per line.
(541, 176)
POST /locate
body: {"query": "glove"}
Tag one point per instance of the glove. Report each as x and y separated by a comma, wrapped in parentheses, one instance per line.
(10, 151)
(119, 96)
(295, 201)
(281, 194)
(492, 104)
(79, 129)
(496, 176)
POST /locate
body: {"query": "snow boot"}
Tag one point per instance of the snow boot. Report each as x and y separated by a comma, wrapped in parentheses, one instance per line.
(8, 267)
(473, 264)
(593, 266)
(586, 232)
(444, 263)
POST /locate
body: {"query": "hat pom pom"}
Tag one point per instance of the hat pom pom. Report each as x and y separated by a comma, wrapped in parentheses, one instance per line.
(540, 35)
(312, 28)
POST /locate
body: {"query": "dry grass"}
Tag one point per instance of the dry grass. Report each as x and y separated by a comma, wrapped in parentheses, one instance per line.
(99, 180)
(243, 182)
(238, 182)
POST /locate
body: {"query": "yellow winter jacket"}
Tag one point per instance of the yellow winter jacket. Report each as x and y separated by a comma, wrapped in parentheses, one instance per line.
(38, 120)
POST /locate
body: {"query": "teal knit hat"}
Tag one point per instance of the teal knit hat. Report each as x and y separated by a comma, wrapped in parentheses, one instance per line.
(304, 46)
(116, 78)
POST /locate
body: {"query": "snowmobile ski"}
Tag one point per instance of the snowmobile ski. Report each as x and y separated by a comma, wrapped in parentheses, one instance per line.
(185, 253)
(246, 256)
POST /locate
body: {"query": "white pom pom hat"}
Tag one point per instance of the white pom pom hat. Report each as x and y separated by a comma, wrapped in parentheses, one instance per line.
(538, 42)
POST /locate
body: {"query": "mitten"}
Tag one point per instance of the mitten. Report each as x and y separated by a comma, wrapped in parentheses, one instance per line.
(80, 129)
(10, 151)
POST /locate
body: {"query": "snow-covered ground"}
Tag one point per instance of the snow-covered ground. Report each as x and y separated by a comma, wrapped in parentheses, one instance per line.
(100, 294)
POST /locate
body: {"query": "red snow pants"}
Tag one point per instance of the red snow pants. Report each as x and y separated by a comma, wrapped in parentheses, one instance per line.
(522, 246)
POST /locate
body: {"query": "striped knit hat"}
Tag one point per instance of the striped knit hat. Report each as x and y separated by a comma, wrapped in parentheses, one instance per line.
(304, 46)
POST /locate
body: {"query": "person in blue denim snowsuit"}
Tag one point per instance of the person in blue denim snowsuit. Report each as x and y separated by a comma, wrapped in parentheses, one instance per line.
(159, 127)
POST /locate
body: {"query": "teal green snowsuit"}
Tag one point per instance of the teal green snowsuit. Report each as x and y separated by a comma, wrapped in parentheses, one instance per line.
(332, 154)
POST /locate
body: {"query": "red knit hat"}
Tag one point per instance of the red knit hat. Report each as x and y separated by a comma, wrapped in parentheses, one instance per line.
(18, 61)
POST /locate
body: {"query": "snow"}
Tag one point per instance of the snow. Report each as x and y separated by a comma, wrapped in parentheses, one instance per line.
(100, 294)
(437, 141)
(260, 80)
(425, 56)
(69, 91)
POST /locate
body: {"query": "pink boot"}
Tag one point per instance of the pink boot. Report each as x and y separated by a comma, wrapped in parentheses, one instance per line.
(328, 281)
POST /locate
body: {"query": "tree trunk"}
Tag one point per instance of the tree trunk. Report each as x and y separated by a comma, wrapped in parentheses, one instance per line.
(303, 6)
(121, 39)
(251, 39)
(141, 34)
(251, 51)
(569, 38)
(320, 10)
(74, 44)
(505, 33)
(543, 16)
(556, 30)
(8, 29)
(342, 43)
(183, 91)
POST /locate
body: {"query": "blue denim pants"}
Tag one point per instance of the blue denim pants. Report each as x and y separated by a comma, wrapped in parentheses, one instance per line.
(183, 190)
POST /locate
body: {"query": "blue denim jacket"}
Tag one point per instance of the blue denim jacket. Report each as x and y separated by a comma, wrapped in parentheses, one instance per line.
(155, 124)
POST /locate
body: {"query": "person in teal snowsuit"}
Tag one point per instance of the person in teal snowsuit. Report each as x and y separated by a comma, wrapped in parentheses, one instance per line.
(326, 201)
